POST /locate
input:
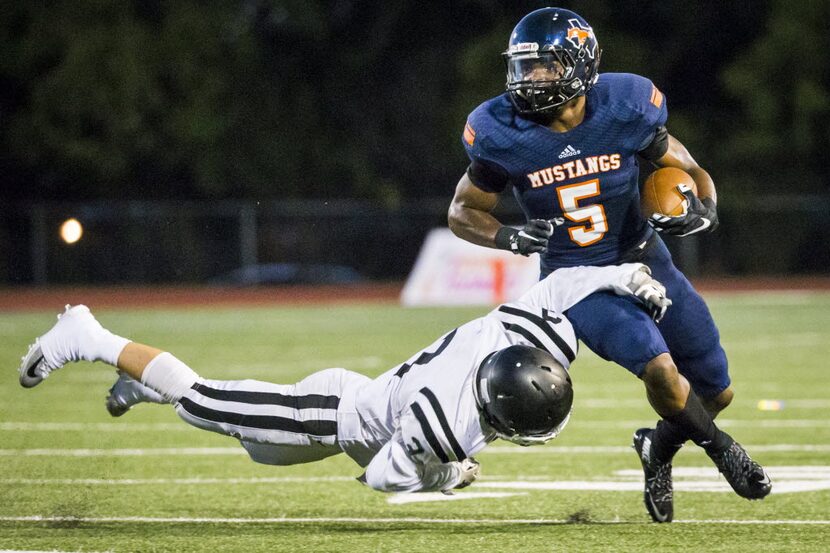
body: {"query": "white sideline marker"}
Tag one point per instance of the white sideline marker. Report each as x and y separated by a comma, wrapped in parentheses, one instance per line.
(429, 497)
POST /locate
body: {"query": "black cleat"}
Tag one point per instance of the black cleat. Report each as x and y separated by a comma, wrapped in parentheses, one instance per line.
(747, 478)
(658, 495)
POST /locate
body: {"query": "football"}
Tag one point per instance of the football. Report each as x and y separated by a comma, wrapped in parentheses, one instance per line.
(660, 194)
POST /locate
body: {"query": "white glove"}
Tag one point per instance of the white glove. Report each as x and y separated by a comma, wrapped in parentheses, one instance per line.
(469, 471)
(650, 292)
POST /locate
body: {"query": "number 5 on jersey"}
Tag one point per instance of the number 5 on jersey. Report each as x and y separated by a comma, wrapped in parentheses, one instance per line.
(569, 197)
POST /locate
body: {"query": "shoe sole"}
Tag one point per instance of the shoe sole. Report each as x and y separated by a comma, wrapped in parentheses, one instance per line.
(28, 378)
(752, 491)
(752, 494)
(115, 409)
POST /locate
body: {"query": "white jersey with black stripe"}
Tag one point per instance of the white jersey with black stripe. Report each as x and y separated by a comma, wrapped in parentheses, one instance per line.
(421, 415)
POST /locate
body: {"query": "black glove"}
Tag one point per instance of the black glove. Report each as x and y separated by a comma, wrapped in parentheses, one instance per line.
(531, 238)
(701, 216)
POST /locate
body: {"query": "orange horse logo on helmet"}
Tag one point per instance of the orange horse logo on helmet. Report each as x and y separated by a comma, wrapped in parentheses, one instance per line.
(579, 36)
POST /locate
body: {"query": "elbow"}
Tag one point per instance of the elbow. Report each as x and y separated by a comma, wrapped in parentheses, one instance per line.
(385, 485)
(454, 219)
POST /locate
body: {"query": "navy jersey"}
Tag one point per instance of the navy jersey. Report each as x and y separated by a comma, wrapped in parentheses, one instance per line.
(587, 176)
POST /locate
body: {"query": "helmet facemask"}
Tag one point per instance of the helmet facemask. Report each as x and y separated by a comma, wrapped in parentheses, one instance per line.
(552, 57)
(542, 81)
(504, 432)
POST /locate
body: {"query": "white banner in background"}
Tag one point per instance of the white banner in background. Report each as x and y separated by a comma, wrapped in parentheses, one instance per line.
(452, 271)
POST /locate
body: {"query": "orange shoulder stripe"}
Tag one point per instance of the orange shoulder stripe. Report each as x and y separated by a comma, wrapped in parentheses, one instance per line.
(469, 134)
(656, 96)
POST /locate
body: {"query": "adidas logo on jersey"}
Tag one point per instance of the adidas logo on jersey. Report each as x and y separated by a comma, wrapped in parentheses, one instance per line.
(569, 151)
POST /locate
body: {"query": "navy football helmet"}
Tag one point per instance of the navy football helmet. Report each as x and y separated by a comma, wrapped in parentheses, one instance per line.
(552, 57)
(524, 394)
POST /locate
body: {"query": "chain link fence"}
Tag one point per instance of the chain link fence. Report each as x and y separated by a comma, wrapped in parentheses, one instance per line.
(249, 242)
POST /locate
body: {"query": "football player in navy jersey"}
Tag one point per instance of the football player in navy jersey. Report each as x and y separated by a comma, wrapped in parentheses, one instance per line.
(567, 140)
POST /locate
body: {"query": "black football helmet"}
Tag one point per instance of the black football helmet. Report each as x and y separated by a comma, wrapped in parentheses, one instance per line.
(552, 57)
(524, 394)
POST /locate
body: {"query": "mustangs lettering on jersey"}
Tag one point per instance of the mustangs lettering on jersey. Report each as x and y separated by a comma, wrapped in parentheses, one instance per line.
(576, 168)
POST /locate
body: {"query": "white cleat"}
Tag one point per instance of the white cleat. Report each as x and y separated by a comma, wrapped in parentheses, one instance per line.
(127, 392)
(59, 346)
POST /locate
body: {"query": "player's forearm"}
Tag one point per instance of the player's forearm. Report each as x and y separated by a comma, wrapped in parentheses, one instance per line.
(566, 287)
(473, 225)
(392, 470)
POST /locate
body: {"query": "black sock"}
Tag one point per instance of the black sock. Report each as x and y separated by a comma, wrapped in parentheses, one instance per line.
(694, 423)
(665, 443)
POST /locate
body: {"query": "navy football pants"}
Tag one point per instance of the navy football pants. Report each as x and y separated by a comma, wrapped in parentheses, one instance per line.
(617, 329)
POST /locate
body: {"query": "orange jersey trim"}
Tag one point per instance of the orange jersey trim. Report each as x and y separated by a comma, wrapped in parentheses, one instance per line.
(656, 96)
(469, 134)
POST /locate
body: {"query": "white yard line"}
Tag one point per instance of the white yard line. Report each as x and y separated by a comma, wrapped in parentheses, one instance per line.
(607, 403)
(624, 480)
(782, 472)
(591, 450)
(94, 427)
(503, 450)
(726, 423)
(157, 451)
(369, 520)
(22, 426)
(50, 551)
(169, 481)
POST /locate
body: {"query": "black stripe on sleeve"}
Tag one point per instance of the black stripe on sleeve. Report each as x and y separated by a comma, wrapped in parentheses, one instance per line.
(442, 420)
(426, 357)
(311, 401)
(266, 422)
(429, 434)
(545, 327)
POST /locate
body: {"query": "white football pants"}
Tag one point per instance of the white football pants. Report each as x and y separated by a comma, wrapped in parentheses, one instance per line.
(276, 424)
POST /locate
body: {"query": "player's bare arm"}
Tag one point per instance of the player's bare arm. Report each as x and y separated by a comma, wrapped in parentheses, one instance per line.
(470, 216)
(679, 157)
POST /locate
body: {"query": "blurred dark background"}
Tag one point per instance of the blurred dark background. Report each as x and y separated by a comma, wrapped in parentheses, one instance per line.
(323, 137)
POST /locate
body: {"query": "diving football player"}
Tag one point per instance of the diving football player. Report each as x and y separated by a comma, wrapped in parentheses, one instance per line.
(414, 428)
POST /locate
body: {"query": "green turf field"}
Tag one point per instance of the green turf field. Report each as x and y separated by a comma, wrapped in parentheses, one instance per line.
(148, 482)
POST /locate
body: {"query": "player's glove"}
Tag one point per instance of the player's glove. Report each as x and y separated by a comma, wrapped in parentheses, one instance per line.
(701, 216)
(650, 292)
(531, 238)
(469, 472)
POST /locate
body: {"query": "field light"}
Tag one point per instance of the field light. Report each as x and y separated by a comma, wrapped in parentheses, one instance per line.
(71, 231)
